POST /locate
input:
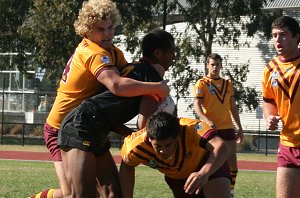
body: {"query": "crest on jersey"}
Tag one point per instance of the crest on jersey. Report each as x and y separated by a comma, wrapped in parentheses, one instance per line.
(211, 89)
(198, 127)
(105, 59)
(274, 75)
(275, 83)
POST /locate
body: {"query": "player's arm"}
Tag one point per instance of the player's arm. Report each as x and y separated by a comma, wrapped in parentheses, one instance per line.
(127, 179)
(200, 113)
(127, 87)
(148, 106)
(218, 153)
(271, 115)
(235, 114)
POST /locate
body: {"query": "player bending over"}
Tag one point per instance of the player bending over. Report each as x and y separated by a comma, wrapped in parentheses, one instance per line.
(187, 151)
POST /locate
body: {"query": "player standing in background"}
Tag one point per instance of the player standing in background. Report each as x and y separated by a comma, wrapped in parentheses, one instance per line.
(83, 133)
(187, 151)
(215, 105)
(93, 66)
(281, 101)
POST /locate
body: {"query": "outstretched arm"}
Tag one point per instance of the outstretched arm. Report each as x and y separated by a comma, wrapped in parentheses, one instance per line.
(218, 153)
(127, 179)
(127, 87)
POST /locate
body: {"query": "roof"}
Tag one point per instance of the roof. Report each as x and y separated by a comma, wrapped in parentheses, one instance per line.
(283, 5)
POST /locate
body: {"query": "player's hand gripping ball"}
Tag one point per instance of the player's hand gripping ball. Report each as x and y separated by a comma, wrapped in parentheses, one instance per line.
(167, 105)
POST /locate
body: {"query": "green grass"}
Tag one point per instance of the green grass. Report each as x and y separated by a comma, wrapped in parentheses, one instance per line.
(21, 179)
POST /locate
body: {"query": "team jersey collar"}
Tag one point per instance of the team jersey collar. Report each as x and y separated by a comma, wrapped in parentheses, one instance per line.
(218, 78)
(288, 60)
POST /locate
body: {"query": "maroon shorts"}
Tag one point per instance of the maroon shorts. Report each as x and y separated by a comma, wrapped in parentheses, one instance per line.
(50, 135)
(227, 134)
(177, 185)
(288, 157)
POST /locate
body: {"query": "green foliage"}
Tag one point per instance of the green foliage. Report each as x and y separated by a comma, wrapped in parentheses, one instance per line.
(42, 33)
(217, 21)
(12, 14)
(244, 96)
(49, 25)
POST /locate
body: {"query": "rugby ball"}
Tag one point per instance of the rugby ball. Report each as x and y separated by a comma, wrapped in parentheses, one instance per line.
(167, 105)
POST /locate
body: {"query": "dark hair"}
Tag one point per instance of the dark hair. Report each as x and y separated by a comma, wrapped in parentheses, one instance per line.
(156, 39)
(213, 56)
(162, 125)
(289, 22)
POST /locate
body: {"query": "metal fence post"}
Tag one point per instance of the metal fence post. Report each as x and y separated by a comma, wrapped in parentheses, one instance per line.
(23, 136)
(266, 143)
(2, 117)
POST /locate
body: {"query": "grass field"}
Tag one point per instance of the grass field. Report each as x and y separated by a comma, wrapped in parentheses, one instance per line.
(23, 178)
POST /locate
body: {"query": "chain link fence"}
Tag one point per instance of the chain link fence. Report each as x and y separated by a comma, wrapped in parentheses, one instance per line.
(23, 116)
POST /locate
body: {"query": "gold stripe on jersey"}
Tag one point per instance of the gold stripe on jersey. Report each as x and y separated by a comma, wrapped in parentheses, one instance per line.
(187, 157)
(280, 86)
(216, 95)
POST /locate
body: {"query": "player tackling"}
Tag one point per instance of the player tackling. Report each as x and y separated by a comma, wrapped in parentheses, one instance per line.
(83, 133)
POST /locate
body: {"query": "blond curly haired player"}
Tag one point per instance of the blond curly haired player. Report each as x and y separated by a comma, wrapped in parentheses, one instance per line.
(93, 66)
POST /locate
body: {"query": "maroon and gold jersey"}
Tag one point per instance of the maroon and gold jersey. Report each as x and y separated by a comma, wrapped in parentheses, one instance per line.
(281, 86)
(215, 95)
(189, 154)
(79, 79)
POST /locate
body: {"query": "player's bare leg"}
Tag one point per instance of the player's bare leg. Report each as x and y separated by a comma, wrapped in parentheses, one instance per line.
(223, 186)
(287, 184)
(80, 170)
(107, 176)
(232, 162)
(64, 186)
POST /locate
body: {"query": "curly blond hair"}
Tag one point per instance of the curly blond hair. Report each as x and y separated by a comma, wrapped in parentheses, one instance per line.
(93, 11)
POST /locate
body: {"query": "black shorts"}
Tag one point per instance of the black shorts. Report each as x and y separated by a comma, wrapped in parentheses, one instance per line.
(227, 134)
(85, 130)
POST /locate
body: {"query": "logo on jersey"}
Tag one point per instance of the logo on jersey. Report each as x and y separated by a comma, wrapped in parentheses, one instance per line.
(105, 59)
(211, 89)
(275, 83)
(275, 75)
(198, 91)
(198, 127)
(86, 143)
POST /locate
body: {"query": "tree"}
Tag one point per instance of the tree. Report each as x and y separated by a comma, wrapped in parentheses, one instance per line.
(49, 25)
(211, 21)
(49, 28)
(12, 45)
